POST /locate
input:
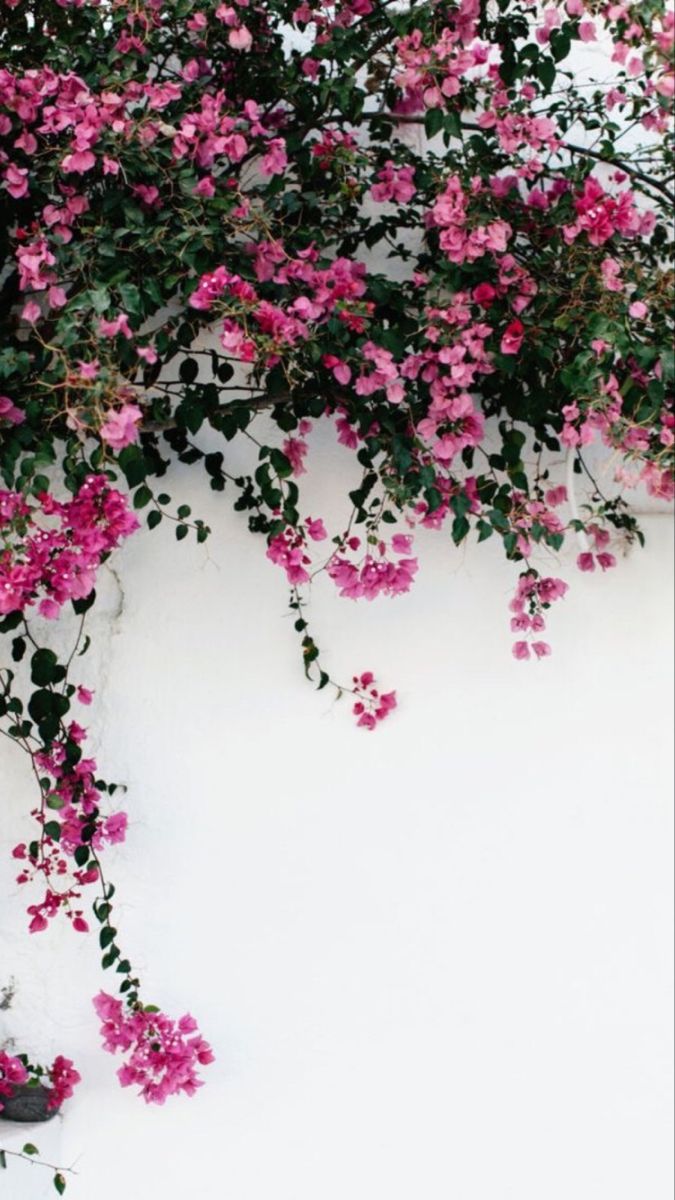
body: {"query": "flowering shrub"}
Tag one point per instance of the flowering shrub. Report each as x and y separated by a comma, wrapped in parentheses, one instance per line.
(60, 1080)
(190, 197)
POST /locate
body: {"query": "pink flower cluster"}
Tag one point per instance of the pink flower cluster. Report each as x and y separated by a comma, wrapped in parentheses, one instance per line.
(121, 426)
(587, 559)
(324, 17)
(334, 149)
(432, 74)
(394, 184)
(73, 804)
(379, 374)
(288, 550)
(52, 551)
(257, 328)
(62, 1076)
(376, 574)
(163, 1056)
(454, 361)
(12, 1074)
(600, 215)
(534, 595)
(461, 242)
(516, 130)
(64, 1079)
(603, 415)
(75, 799)
(9, 413)
(371, 706)
(38, 107)
(533, 519)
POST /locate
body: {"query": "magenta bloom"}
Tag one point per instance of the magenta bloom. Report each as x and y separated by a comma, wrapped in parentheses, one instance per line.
(512, 338)
(163, 1056)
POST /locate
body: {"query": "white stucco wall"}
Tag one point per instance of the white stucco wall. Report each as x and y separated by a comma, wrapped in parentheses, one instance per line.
(433, 961)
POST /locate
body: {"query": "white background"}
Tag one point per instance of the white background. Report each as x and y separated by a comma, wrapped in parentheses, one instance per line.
(434, 962)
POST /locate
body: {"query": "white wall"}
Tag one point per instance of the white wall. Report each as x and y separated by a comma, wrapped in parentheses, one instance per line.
(433, 961)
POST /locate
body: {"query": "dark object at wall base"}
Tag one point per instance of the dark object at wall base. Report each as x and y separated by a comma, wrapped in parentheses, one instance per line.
(27, 1104)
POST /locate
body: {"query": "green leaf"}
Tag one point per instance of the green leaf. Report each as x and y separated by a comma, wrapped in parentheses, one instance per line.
(460, 528)
(48, 706)
(546, 73)
(59, 1183)
(132, 462)
(30, 1149)
(18, 648)
(433, 121)
(142, 496)
(45, 669)
(81, 855)
(99, 298)
(189, 370)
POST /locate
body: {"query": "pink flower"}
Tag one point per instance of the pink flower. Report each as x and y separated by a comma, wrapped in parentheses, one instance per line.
(12, 1074)
(341, 371)
(89, 370)
(521, 651)
(287, 550)
(316, 529)
(63, 1078)
(512, 338)
(163, 1056)
(372, 706)
(611, 271)
(206, 187)
(541, 649)
(484, 294)
(31, 312)
(605, 560)
(78, 162)
(111, 328)
(114, 829)
(16, 181)
(638, 309)
(9, 412)
(84, 695)
(49, 609)
(148, 195)
(587, 31)
(394, 184)
(275, 161)
(120, 428)
(295, 450)
(586, 562)
(240, 39)
(556, 496)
